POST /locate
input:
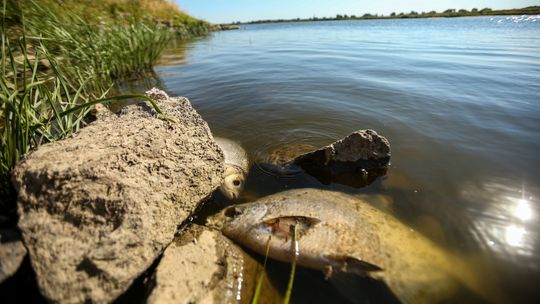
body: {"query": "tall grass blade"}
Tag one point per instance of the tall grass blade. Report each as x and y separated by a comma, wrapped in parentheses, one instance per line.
(296, 252)
(260, 279)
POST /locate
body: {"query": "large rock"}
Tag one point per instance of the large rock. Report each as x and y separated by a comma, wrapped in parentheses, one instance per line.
(355, 160)
(202, 266)
(12, 253)
(98, 208)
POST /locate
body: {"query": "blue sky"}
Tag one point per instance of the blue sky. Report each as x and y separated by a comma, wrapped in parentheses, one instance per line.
(224, 11)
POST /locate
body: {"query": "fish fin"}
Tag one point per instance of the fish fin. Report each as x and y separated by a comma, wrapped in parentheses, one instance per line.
(349, 264)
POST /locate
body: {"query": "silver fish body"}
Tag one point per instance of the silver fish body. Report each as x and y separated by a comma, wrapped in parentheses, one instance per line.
(337, 232)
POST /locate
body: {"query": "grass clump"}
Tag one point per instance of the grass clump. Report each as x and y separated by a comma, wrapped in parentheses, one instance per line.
(105, 51)
(61, 57)
(32, 102)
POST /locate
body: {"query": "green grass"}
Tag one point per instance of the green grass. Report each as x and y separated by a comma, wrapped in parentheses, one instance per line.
(295, 252)
(260, 279)
(55, 66)
(100, 51)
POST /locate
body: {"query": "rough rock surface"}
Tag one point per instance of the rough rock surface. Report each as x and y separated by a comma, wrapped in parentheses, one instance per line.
(98, 208)
(201, 266)
(363, 152)
(12, 253)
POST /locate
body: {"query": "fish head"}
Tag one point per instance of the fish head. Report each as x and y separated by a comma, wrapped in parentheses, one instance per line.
(253, 225)
(241, 222)
(233, 183)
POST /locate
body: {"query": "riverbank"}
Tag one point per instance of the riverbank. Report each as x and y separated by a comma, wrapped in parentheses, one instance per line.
(59, 58)
(449, 13)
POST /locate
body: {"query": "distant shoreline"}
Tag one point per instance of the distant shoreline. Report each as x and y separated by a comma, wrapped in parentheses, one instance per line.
(450, 13)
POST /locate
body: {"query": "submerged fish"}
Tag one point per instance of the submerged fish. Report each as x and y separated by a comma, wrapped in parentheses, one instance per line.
(337, 232)
(236, 167)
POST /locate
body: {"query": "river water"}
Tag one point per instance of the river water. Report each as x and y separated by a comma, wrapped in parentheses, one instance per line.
(458, 99)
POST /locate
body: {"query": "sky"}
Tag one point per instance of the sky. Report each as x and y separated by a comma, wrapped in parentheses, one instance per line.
(226, 11)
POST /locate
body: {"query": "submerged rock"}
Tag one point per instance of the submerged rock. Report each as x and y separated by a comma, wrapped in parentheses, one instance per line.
(355, 160)
(12, 253)
(98, 208)
(201, 266)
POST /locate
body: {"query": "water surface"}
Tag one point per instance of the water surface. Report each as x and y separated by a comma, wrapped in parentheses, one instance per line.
(458, 99)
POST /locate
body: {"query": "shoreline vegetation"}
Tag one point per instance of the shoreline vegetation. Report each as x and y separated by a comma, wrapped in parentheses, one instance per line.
(61, 57)
(449, 13)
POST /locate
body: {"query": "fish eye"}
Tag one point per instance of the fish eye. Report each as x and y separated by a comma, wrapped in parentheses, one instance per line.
(233, 211)
(236, 182)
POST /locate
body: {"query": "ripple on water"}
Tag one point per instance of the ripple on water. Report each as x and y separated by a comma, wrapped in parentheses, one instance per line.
(456, 97)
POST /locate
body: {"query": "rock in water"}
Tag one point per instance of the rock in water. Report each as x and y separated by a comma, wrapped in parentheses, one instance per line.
(202, 266)
(12, 253)
(339, 233)
(236, 168)
(355, 160)
(98, 208)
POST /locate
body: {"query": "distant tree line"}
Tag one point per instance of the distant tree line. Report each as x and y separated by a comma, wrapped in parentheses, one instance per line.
(531, 10)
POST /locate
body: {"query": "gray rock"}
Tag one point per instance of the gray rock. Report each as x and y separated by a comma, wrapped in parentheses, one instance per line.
(98, 208)
(363, 154)
(12, 253)
(202, 266)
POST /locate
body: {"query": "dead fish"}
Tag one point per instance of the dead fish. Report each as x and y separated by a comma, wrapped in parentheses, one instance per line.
(236, 168)
(337, 232)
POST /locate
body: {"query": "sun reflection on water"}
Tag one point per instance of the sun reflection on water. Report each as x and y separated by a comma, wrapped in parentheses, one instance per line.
(503, 217)
(523, 210)
(515, 235)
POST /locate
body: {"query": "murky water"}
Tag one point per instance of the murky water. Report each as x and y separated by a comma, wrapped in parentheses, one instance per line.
(458, 99)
